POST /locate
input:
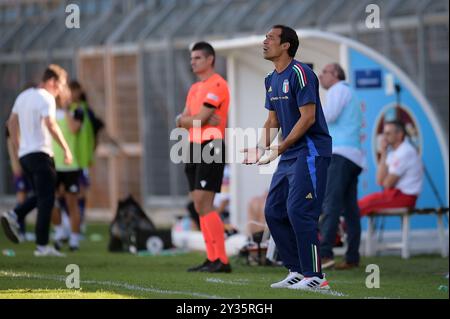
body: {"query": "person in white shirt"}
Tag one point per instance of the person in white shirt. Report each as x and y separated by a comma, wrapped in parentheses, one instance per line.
(32, 125)
(344, 119)
(399, 172)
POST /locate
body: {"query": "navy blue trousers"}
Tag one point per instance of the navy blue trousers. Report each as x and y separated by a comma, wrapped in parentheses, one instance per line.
(341, 198)
(292, 211)
(39, 168)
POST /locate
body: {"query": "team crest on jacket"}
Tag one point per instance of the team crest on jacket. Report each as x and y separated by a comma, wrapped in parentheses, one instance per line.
(286, 86)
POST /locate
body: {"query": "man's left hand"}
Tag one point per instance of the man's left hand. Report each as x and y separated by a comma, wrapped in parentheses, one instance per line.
(275, 151)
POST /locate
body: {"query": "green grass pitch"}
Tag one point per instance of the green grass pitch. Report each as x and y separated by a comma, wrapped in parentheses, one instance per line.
(121, 275)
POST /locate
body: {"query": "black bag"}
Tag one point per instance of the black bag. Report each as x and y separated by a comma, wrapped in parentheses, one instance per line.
(128, 226)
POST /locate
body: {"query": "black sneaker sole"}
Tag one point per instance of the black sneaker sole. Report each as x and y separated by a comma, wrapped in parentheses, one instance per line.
(204, 269)
(198, 269)
(220, 270)
(8, 232)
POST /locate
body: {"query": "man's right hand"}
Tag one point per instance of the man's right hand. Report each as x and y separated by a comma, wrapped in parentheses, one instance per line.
(383, 145)
(252, 155)
(68, 158)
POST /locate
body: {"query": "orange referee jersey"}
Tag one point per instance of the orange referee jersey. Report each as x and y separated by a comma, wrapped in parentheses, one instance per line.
(213, 93)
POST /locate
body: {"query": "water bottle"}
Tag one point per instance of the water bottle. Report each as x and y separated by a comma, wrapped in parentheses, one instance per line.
(9, 252)
(443, 288)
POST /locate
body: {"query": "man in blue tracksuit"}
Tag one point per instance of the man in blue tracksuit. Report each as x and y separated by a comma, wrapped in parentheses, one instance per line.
(297, 189)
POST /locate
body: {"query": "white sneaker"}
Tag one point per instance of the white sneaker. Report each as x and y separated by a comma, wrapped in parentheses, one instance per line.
(311, 283)
(291, 279)
(48, 251)
(10, 226)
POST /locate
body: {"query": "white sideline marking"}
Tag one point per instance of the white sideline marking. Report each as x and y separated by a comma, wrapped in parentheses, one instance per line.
(109, 283)
(329, 292)
(156, 290)
(228, 282)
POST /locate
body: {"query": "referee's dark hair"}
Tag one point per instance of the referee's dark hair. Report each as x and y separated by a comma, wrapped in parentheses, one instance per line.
(206, 48)
(288, 35)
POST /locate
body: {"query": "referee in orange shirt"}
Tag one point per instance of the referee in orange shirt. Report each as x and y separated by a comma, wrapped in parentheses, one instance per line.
(205, 116)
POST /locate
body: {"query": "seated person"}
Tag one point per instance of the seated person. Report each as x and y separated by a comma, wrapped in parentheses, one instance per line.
(255, 215)
(399, 172)
(255, 250)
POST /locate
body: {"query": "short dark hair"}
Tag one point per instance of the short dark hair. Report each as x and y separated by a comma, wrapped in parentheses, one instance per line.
(290, 36)
(75, 85)
(340, 71)
(54, 71)
(399, 125)
(206, 48)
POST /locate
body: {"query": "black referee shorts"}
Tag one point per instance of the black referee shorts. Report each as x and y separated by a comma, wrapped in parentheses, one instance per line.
(205, 167)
